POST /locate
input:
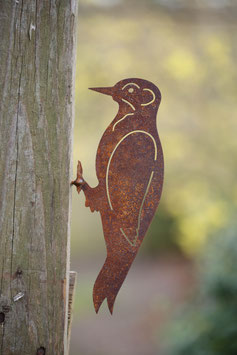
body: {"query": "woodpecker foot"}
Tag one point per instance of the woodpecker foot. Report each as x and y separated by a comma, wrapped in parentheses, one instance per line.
(90, 193)
(79, 182)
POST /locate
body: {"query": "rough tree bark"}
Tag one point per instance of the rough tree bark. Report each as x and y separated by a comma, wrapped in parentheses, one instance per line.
(37, 52)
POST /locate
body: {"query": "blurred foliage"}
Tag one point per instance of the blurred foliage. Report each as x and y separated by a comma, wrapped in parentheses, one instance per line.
(192, 58)
(219, 4)
(207, 326)
(170, 4)
(189, 49)
(164, 241)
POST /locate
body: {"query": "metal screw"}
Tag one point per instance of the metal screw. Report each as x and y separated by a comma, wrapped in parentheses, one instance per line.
(18, 296)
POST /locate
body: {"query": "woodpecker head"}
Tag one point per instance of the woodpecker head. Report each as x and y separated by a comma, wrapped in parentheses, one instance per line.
(137, 93)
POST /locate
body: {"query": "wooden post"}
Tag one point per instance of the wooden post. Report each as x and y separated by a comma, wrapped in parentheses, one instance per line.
(37, 53)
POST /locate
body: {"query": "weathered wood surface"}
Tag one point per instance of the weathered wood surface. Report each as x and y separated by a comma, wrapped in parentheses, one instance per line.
(37, 51)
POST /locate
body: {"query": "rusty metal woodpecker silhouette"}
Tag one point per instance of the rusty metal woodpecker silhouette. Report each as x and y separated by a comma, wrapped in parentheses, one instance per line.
(130, 169)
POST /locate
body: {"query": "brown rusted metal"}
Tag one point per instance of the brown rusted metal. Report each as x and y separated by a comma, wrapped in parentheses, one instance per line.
(130, 168)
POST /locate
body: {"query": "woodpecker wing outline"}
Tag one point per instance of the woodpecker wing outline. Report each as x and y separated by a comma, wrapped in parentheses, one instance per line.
(128, 179)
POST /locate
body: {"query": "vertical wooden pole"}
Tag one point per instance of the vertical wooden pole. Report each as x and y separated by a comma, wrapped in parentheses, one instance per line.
(37, 54)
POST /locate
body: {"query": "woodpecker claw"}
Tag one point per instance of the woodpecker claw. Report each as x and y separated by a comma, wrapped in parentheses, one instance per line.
(79, 182)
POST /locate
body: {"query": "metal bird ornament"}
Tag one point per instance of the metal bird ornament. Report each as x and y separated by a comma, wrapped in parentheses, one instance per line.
(130, 169)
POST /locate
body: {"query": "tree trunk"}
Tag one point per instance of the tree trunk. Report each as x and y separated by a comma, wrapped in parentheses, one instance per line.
(37, 52)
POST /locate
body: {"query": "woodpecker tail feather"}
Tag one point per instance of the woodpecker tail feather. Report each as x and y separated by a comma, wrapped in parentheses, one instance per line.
(108, 282)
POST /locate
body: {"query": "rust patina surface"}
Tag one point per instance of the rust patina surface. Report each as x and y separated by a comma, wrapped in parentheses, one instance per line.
(130, 169)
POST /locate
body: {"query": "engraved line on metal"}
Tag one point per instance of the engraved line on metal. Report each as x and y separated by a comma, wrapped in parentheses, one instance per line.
(153, 98)
(111, 156)
(128, 114)
(129, 241)
(144, 197)
(139, 216)
(129, 103)
(131, 84)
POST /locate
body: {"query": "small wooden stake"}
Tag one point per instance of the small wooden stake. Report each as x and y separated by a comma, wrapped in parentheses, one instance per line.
(72, 287)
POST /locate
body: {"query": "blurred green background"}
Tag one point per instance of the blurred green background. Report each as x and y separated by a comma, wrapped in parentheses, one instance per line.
(189, 50)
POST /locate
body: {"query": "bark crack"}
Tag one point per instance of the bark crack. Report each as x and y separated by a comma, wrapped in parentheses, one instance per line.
(17, 149)
(3, 332)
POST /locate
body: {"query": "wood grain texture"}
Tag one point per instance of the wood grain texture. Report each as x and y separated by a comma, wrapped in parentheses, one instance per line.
(37, 52)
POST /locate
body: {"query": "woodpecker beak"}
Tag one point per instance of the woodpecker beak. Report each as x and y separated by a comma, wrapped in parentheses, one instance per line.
(106, 91)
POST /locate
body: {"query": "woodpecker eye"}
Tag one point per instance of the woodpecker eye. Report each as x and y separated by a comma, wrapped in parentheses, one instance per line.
(130, 90)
